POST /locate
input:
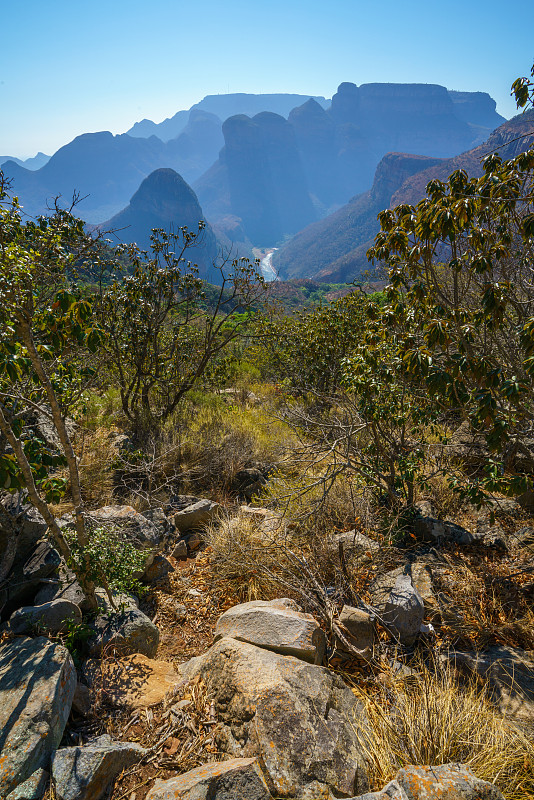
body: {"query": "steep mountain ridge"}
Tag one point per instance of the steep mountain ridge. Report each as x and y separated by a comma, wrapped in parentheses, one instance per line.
(224, 106)
(338, 149)
(335, 248)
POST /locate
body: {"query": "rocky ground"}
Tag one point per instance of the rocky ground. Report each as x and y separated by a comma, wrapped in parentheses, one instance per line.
(191, 693)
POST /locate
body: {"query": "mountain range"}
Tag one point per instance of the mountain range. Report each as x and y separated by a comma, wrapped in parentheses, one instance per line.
(334, 249)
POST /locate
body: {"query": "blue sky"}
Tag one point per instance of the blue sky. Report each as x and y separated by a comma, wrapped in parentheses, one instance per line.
(67, 67)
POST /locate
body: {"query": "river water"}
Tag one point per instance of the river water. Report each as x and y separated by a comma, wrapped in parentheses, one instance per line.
(266, 267)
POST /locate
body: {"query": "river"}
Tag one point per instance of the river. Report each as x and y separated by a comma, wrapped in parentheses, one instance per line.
(266, 267)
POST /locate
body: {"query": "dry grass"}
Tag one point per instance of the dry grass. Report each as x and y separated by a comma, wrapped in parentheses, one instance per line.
(491, 598)
(248, 557)
(428, 718)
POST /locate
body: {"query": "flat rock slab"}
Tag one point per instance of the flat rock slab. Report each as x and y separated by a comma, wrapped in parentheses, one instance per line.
(299, 720)
(444, 782)
(237, 779)
(274, 625)
(84, 773)
(133, 682)
(510, 672)
(37, 683)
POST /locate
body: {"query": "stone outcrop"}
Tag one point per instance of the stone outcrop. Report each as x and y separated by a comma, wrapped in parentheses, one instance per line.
(299, 720)
(277, 625)
(195, 515)
(236, 779)
(37, 683)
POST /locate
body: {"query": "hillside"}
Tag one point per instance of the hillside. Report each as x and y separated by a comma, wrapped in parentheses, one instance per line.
(335, 248)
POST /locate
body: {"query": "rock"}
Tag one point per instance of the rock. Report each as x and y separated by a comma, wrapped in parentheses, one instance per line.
(404, 610)
(157, 570)
(444, 782)
(180, 549)
(33, 788)
(510, 672)
(524, 536)
(194, 515)
(193, 541)
(37, 682)
(421, 575)
(249, 482)
(299, 720)
(158, 518)
(275, 626)
(360, 630)
(179, 502)
(53, 617)
(237, 779)
(129, 631)
(82, 701)
(65, 588)
(355, 545)
(42, 564)
(133, 682)
(28, 524)
(84, 773)
(129, 523)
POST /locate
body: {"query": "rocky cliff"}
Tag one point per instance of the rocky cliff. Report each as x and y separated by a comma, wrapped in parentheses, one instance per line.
(335, 248)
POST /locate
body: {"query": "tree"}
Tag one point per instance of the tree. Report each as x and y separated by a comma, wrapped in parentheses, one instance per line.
(461, 304)
(44, 316)
(162, 334)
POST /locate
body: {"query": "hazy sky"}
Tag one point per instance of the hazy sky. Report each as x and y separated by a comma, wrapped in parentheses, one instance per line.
(73, 66)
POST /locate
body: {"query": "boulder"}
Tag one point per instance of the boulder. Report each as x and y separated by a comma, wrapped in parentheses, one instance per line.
(37, 682)
(249, 482)
(129, 523)
(299, 720)
(274, 625)
(128, 630)
(132, 682)
(195, 515)
(404, 610)
(53, 617)
(84, 773)
(510, 673)
(33, 788)
(236, 779)
(159, 519)
(65, 587)
(354, 544)
(25, 521)
(360, 630)
(444, 782)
